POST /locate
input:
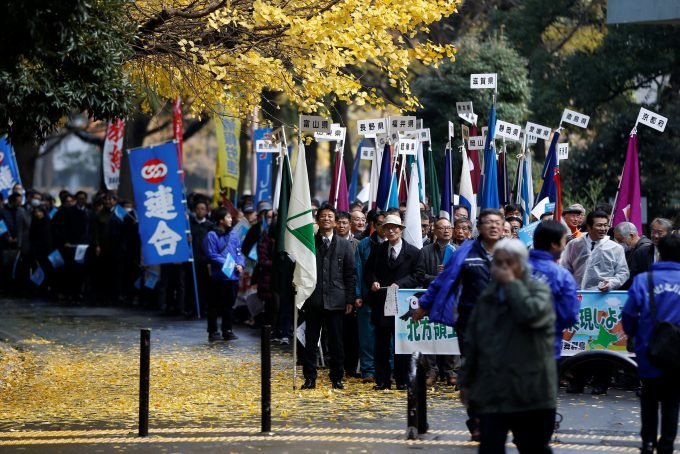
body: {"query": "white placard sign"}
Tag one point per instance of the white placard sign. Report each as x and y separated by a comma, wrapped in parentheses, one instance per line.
(423, 134)
(575, 118)
(380, 141)
(464, 107)
(476, 143)
(366, 153)
(336, 134)
(372, 127)
(537, 130)
(452, 130)
(408, 146)
(469, 118)
(483, 80)
(562, 151)
(400, 123)
(507, 130)
(267, 146)
(651, 119)
(313, 123)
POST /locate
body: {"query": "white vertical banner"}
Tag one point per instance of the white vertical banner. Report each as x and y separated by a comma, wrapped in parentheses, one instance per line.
(113, 153)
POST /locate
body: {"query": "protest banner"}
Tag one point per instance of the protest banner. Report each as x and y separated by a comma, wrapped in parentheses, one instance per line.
(263, 183)
(9, 170)
(157, 189)
(422, 336)
(599, 326)
(113, 153)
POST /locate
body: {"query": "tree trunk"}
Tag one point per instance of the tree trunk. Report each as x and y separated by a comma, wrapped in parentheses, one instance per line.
(135, 132)
(27, 153)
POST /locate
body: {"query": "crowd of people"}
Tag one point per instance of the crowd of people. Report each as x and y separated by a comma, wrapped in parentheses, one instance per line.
(509, 304)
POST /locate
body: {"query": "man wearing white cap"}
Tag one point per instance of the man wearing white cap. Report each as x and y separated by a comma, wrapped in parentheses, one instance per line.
(394, 262)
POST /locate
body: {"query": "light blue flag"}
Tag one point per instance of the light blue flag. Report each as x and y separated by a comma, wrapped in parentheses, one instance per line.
(490, 188)
(38, 276)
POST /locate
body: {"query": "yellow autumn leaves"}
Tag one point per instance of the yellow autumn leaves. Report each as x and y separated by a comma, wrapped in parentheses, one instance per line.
(64, 386)
(228, 53)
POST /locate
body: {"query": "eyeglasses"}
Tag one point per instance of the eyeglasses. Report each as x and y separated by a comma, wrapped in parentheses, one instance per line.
(463, 228)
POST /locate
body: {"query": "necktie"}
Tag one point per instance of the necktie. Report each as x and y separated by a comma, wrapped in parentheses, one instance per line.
(393, 255)
(592, 245)
(326, 242)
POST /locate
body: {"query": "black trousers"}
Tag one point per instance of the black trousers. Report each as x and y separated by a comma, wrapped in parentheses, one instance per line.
(531, 431)
(384, 345)
(332, 322)
(655, 391)
(221, 304)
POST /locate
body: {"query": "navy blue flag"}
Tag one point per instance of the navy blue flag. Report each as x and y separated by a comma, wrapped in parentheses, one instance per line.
(548, 188)
(158, 194)
(9, 171)
(263, 186)
(354, 181)
(446, 202)
(385, 180)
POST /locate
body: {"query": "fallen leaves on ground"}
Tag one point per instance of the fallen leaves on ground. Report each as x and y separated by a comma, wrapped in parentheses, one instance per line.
(65, 385)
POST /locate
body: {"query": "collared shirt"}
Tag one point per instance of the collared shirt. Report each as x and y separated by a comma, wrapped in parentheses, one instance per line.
(396, 247)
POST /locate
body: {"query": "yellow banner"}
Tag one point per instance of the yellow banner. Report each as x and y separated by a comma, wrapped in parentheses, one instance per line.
(228, 154)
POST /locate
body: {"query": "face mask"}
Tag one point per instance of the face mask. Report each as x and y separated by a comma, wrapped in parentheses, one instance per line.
(35, 203)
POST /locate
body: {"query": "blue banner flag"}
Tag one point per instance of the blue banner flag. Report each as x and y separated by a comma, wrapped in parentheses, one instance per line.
(385, 180)
(9, 170)
(263, 186)
(490, 187)
(354, 181)
(38, 276)
(158, 195)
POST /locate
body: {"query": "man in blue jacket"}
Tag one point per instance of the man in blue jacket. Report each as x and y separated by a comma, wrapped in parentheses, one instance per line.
(457, 288)
(657, 387)
(550, 239)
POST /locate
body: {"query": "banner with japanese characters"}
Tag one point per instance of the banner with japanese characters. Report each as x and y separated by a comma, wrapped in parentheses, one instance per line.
(263, 180)
(227, 132)
(157, 189)
(599, 324)
(9, 170)
(422, 336)
(113, 153)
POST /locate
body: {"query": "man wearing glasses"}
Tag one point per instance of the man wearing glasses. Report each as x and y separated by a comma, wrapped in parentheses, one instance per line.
(433, 256)
(467, 277)
(462, 231)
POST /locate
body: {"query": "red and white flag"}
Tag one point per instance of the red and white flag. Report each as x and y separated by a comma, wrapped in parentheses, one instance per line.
(113, 153)
(177, 131)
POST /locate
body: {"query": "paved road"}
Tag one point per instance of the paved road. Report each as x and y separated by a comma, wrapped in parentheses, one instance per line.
(76, 392)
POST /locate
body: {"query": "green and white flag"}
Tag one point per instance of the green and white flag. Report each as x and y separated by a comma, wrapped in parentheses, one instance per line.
(300, 232)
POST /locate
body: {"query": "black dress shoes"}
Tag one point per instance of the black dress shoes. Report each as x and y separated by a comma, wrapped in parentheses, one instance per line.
(308, 384)
(381, 387)
(338, 385)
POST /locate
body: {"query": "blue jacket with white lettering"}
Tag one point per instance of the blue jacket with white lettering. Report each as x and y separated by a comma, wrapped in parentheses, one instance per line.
(217, 245)
(563, 288)
(636, 315)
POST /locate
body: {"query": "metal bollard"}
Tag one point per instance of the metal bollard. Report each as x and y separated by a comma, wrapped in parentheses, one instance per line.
(412, 399)
(421, 399)
(144, 366)
(266, 372)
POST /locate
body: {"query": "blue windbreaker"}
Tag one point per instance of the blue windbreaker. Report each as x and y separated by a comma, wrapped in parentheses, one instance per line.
(216, 247)
(636, 316)
(563, 288)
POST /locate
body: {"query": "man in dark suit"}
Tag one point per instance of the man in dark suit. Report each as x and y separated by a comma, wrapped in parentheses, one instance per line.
(394, 262)
(333, 297)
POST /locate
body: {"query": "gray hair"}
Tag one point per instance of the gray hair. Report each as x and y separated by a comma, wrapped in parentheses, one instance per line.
(663, 222)
(626, 228)
(515, 248)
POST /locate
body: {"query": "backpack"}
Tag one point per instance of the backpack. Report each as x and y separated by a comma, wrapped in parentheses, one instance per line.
(663, 349)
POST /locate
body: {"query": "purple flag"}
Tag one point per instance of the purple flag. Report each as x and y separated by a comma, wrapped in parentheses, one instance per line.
(628, 206)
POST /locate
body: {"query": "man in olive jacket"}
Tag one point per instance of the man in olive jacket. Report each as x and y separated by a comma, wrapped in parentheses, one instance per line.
(509, 377)
(333, 297)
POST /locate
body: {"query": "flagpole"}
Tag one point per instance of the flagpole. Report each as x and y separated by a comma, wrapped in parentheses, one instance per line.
(337, 185)
(295, 308)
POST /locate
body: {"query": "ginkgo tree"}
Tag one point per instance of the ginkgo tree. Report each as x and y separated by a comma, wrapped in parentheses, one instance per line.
(227, 52)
